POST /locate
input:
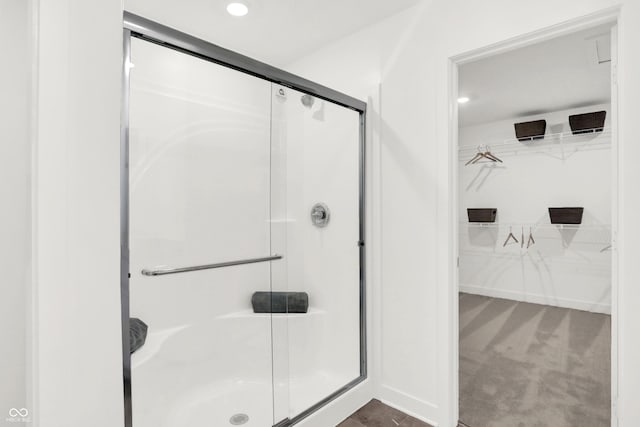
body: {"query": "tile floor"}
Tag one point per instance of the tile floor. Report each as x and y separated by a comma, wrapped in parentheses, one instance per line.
(377, 414)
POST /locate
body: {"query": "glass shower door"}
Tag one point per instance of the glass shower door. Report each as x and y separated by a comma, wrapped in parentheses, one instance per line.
(315, 206)
(238, 186)
(199, 183)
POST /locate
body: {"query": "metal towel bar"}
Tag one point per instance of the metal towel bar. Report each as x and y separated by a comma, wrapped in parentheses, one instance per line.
(163, 271)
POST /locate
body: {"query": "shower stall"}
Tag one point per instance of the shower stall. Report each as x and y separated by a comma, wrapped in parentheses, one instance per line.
(242, 237)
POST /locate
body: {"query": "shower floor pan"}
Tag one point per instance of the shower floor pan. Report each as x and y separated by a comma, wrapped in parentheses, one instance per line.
(232, 403)
(237, 403)
(209, 386)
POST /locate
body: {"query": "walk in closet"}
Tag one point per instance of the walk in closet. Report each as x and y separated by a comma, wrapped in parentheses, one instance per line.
(535, 201)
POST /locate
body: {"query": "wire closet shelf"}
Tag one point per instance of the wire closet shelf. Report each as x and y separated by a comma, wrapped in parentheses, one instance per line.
(597, 233)
(559, 145)
(540, 226)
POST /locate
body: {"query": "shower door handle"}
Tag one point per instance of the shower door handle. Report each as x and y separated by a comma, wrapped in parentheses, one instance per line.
(164, 271)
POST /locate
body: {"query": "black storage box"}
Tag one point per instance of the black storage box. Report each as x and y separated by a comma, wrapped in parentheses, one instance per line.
(588, 122)
(482, 215)
(566, 215)
(528, 131)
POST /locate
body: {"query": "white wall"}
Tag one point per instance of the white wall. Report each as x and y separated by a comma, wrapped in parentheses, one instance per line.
(78, 129)
(565, 268)
(418, 250)
(15, 189)
(78, 363)
(418, 169)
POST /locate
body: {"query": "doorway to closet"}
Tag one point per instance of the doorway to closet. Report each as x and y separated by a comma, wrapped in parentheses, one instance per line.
(535, 207)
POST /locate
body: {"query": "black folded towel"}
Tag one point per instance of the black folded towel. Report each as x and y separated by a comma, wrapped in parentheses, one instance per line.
(280, 302)
(137, 334)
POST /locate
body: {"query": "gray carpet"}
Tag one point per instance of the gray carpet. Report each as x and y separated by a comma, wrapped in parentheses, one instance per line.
(530, 365)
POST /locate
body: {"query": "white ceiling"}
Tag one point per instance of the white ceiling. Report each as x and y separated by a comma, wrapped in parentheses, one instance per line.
(275, 31)
(554, 75)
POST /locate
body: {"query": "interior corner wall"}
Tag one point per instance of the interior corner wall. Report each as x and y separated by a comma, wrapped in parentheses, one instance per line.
(15, 188)
(354, 65)
(78, 347)
(417, 210)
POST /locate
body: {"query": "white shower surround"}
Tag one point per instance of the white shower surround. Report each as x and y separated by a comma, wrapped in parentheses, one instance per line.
(175, 389)
(223, 167)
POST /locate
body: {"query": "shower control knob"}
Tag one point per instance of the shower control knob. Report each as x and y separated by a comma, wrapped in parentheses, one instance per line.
(320, 215)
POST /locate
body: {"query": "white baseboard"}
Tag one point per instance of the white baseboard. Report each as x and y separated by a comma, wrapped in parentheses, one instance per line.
(417, 408)
(537, 299)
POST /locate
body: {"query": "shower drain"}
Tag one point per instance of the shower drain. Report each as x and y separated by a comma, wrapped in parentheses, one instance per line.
(239, 419)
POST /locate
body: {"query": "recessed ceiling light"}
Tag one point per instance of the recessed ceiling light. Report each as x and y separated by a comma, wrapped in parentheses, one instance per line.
(237, 9)
(463, 100)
